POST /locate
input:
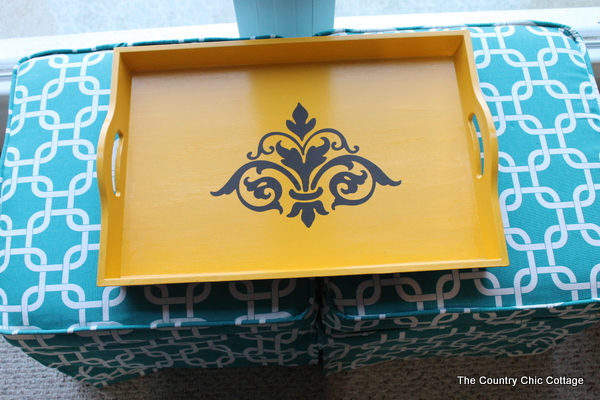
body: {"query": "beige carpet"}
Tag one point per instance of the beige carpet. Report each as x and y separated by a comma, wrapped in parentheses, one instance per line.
(577, 357)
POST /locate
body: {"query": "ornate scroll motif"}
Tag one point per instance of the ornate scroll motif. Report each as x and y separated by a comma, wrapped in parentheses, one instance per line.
(315, 166)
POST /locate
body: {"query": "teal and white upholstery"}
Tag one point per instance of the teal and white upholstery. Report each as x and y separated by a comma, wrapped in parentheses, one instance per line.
(49, 228)
(538, 83)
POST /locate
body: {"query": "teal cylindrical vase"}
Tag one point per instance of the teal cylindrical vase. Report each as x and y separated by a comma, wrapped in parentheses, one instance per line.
(287, 18)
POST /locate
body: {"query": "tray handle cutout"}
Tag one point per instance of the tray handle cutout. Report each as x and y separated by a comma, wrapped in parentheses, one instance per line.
(484, 142)
(111, 161)
(117, 154)
(477, 142)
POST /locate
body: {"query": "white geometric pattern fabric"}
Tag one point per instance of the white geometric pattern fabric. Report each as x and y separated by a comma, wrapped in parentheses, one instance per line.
(538, 82)
(49, 230)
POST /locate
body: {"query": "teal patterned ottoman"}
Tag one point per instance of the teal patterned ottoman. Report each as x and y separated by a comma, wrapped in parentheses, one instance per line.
(50, 305)
(538, 83)
(539, 86)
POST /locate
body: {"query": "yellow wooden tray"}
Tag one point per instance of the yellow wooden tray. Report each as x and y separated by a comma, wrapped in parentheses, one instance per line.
(297, 157)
